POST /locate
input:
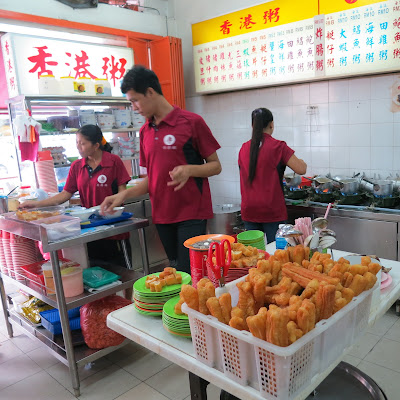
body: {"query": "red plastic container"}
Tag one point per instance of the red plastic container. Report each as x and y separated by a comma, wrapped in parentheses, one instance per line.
(198, 267)
(198, 257)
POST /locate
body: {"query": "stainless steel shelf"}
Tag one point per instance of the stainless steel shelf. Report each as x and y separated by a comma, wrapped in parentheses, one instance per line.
(38, 233)
(116, 130)
(46, 100)
(83, 354)
(128, 278)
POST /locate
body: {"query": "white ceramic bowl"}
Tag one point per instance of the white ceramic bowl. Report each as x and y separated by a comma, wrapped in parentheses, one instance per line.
(96, 210)
(117, 213)
(83, 215)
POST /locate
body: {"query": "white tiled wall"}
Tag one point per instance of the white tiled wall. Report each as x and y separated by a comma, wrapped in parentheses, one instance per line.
(354, 129)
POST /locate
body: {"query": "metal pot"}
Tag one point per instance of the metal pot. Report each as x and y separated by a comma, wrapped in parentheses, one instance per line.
(381, 187)
(396, 182)
(322, 183)
(226, 218)
(293, 180)
(348, 185)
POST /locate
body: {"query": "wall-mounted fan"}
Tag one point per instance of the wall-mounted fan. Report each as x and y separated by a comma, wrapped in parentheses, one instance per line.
(80, 3)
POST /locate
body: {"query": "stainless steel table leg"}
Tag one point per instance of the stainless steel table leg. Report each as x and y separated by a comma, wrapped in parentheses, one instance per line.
(143, 246)
(126, 255)
(62, 308)
(4, 305)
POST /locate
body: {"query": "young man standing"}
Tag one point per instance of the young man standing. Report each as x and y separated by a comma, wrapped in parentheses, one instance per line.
(179, 152)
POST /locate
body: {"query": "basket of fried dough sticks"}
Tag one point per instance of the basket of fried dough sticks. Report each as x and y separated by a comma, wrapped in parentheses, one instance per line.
(289, 318)
(243, 258)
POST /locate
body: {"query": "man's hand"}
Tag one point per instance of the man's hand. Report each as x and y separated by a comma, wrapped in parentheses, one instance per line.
(179, 176)
(110, 202)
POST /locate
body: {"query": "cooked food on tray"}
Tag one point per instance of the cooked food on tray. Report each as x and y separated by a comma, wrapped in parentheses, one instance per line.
(34, 215)
(285, 296)
(243, 256)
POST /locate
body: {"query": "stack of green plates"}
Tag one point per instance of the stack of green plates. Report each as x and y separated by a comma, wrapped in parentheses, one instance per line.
(252, 238)
(151, 303)
(175, 323)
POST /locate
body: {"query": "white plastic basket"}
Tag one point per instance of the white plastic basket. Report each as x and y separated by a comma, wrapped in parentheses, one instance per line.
(277, 372)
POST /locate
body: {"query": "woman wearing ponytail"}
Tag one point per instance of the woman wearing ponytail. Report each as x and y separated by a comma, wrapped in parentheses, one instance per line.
(96, 175)
(262, 162)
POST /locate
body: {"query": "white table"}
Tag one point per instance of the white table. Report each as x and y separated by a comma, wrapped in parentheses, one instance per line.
(149, 332)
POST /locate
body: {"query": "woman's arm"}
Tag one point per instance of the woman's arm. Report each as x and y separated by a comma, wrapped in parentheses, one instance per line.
(51, 201)
(121, 188)
(182, 173)
(297, 165)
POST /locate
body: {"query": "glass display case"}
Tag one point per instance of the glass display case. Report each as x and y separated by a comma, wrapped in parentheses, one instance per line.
(61, 116)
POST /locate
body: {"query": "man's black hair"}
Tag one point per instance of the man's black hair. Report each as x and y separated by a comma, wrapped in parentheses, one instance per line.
(140, 79)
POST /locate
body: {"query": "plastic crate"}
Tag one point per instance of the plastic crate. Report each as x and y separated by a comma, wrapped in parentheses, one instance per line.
(51, 320)
(34, 275)
(277, 372)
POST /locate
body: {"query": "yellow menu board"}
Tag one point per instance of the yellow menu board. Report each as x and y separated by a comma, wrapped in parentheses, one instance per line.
(363, 40)
(257, 18)
(333, 6)
(295, 44)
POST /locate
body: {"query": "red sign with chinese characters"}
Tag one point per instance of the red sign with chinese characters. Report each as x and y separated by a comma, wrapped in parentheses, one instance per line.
(30, 57)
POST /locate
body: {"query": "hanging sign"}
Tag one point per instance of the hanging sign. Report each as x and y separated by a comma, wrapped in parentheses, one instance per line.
(363, 40)
(29, 57)
(285, 41)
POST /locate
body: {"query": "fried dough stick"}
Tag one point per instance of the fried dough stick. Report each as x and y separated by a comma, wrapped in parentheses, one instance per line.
(303, 276)
(205, 289)
(277, 331)
(191, 297)
(325, 301)
(258, 323)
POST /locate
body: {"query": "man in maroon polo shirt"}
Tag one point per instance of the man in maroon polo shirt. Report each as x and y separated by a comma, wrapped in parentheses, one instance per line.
(179, 152)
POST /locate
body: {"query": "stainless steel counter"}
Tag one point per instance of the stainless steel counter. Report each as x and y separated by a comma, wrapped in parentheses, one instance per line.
(141, 208)
(362, 231)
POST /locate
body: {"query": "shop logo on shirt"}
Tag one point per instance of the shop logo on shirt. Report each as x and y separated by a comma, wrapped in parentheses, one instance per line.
(102, 179)
(169, 140)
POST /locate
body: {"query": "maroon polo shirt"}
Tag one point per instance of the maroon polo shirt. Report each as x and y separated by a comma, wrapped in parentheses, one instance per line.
(181, 138)
(263, 200)
(102, 182)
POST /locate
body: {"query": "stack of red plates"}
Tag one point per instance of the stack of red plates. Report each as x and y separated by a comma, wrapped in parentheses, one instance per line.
(7, 253)
(3, 263)
(46, 177)
(23, 252)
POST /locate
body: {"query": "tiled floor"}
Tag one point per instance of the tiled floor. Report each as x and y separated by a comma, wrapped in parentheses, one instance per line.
(28, 371)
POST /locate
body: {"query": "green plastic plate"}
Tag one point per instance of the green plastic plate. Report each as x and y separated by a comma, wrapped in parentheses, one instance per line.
(140, 286)
(169, 309)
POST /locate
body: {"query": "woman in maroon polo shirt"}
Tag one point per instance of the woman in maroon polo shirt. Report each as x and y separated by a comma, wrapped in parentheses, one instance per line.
(262, 162)
(97, 175)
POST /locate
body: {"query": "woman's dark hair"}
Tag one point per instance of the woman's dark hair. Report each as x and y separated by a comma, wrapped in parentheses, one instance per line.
(260, 119)
(140, 79)
(94, 134)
